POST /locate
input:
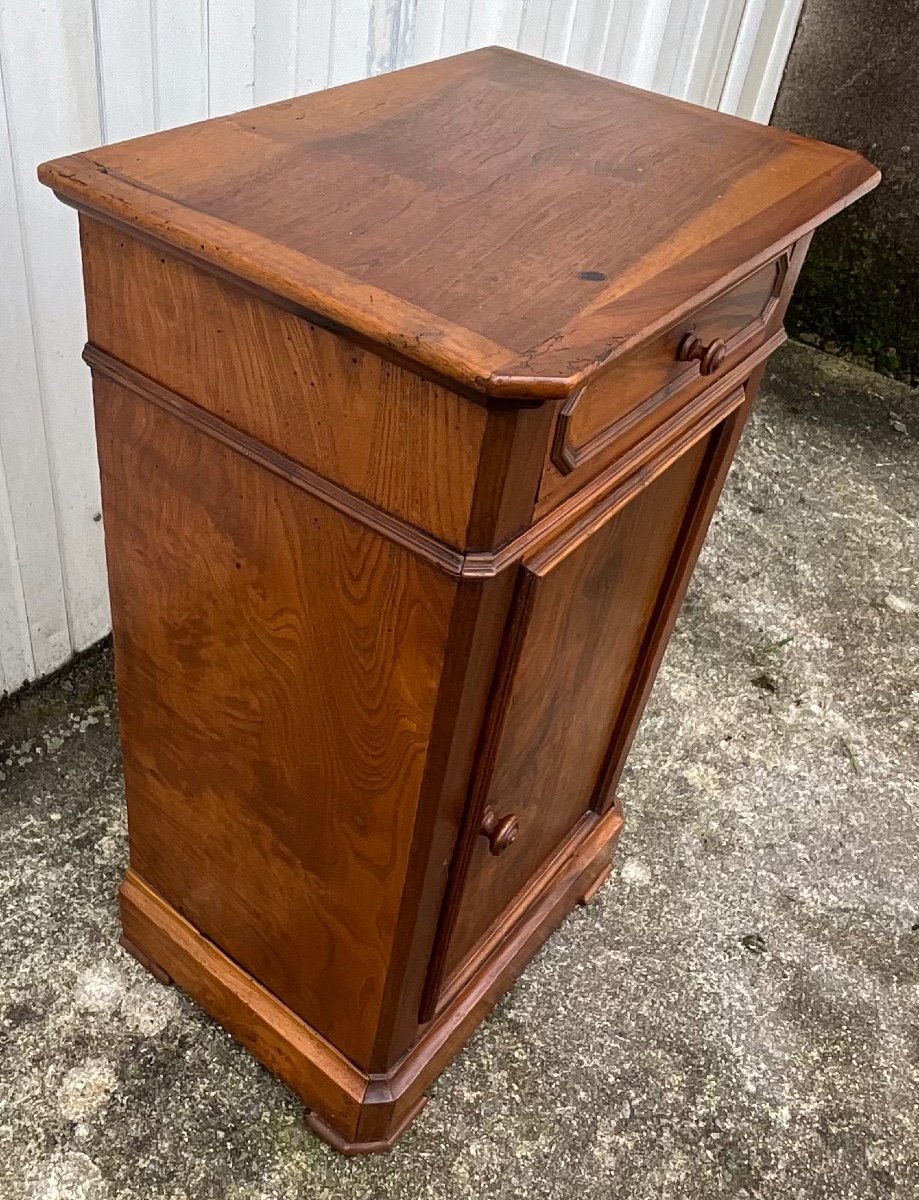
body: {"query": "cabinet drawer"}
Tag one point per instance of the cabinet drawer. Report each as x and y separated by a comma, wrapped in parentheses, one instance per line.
(646, 387)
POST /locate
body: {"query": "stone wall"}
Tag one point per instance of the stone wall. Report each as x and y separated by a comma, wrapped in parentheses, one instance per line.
(853, 78)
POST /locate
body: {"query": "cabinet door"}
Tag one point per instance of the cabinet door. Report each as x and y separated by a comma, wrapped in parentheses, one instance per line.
(582, 610)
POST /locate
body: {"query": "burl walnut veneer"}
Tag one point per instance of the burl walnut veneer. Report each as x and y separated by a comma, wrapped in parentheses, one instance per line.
(414, 399)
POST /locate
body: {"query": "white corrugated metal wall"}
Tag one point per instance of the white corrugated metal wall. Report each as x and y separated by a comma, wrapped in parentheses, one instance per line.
(75, 73)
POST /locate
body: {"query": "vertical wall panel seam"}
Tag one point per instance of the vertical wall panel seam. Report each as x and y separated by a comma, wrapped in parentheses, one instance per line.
(394, 28)
(297, 43)
(255, 54)
(97, 67)
(569, 32)
(787, 18)
(22, 614)
(402, 28)
(254, 43)
(25, 636)
(155, 61)
(520, 23)
(370, 51)
(545, 32)
(298, 34)
(741, 44)
(623, 69)
(660, 47)
(206, 19)
(443, 25)
(469, 8)
(39, 375)
(609, 24)
(328, 70)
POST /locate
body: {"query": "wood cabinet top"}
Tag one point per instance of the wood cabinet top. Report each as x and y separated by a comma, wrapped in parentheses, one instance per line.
(503, 221)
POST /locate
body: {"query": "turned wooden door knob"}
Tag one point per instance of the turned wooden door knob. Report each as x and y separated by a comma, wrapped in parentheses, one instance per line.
(500, 831)
(710, 357)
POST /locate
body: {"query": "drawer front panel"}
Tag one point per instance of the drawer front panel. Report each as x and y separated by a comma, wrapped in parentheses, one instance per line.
(578, 627)
(609, 416)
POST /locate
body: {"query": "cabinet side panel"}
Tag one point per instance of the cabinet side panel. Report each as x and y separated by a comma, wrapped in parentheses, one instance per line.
(278, 667)
(381, 431)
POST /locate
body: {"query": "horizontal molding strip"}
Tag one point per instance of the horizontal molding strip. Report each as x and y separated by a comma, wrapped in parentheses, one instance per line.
(606, 493)
(596, 502)
(613, 502)
(394, 528)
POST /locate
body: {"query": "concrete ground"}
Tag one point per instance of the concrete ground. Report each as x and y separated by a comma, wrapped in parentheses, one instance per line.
(736, 1015)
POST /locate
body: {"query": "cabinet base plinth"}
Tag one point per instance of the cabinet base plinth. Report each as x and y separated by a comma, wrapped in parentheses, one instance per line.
(383, 1146)
(355, 1111)
(598, 883)
(146, 962)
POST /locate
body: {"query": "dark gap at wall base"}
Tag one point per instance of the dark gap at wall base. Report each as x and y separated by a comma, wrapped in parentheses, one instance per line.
(32, 686)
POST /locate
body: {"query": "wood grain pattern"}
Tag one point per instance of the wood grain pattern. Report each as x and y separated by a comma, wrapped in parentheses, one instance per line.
(639, 437)
(404, 476)
(380, 431)
(644, 455)
(578, 626)
(721, 448)
(275, 731)
(479, 615)
(278, 1037)
(742, 318)
(363, 1112)
(513, 224)
(206, 423)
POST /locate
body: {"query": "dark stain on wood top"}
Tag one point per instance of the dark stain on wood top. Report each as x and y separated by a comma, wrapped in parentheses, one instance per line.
(510, 223)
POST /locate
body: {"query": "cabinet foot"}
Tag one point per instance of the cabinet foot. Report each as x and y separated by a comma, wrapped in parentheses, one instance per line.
(589, 894)
(145, 961)
(380, 1146)
(355, 1111)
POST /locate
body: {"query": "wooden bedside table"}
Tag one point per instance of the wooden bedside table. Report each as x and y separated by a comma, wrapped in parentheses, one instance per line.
(414, 399)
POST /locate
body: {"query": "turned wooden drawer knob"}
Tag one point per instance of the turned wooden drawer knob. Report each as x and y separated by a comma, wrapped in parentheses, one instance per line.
(500, 831)
(710, 357)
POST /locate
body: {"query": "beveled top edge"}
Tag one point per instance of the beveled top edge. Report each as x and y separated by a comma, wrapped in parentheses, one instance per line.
(620, 317)
(451, 351)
